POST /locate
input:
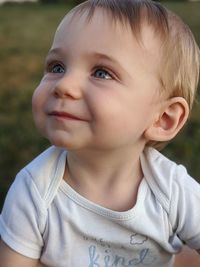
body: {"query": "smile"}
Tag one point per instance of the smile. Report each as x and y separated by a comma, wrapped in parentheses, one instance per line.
(64, 115)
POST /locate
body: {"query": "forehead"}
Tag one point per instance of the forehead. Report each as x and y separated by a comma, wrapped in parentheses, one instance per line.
(103, 22)
(77, 24)
(101, 34)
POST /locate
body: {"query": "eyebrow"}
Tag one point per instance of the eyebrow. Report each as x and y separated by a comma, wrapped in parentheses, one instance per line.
(53, 51)
(95, 55)
(101, 56)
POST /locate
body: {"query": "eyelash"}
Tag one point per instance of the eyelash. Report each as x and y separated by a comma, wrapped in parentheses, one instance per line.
(104, 69)
(51, 65)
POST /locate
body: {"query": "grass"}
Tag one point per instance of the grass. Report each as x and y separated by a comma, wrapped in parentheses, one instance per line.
(26, 32)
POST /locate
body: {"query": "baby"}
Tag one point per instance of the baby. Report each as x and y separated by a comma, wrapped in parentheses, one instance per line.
(119, 82)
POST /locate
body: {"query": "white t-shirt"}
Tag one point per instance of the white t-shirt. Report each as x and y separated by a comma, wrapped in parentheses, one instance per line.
(43, 217)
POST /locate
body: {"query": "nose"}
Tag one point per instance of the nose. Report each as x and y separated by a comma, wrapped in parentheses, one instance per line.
(68, 86)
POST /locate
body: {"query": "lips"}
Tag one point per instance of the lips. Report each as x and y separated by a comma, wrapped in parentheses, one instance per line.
(64, 115)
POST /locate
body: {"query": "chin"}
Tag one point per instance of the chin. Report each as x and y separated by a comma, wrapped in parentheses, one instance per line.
(67, 145)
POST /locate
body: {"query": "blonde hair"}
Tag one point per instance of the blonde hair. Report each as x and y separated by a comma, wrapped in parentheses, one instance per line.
(180, 59)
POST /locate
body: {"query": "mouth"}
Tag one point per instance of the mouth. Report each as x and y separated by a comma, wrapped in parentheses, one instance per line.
(64, 115)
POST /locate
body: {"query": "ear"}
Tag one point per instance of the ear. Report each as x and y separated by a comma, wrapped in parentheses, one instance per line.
(172, 116)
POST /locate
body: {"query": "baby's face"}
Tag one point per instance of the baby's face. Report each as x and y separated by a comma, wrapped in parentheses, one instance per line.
(100, 88)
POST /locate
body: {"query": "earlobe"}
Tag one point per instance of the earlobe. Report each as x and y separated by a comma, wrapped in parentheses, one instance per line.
(173, 115)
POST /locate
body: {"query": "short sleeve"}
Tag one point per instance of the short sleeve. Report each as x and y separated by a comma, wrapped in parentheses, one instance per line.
(23, 216)
(185, 209)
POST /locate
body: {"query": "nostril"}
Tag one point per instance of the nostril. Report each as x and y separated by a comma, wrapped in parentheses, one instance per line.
(67, 88)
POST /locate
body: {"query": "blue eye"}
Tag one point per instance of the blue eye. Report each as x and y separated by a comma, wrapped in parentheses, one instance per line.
(102, 74)
(57, 68)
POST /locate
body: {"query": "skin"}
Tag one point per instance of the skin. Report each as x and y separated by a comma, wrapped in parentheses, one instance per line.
(103, 86)
(187, 257)
(103, 104)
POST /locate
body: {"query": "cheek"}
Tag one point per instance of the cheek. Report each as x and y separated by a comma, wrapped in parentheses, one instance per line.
(38, 100)
(38, 107)
(38, 104)
(121, 115)
(110, 115)
(34, 101)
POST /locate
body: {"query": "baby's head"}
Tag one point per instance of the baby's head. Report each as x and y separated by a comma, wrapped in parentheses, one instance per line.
(180, 55)
(132, 67)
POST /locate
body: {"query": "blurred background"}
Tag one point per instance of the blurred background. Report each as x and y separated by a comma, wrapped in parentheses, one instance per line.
(26, 32)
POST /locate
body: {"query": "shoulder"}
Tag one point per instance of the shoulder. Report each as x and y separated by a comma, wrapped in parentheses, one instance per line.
(178, 195)
(166, 178)
(27, 201)
(43, 169)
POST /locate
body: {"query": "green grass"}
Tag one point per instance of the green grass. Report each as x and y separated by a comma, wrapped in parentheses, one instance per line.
(186, 146)
(26, 32)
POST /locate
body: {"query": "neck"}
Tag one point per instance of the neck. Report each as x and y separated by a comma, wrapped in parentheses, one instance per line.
(97, 175)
